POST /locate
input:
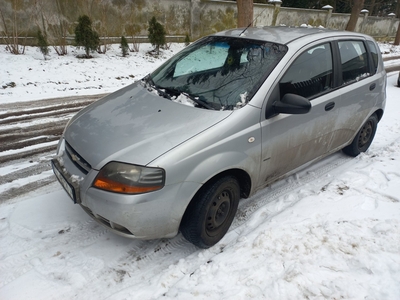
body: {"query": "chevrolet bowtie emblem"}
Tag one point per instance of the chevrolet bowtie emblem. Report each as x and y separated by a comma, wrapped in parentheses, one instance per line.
(74, 157)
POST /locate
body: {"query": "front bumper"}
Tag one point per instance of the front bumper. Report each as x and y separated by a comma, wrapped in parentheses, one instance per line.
(145, 216)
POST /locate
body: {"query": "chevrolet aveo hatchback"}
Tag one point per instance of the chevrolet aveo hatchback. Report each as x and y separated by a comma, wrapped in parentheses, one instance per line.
(223, 118)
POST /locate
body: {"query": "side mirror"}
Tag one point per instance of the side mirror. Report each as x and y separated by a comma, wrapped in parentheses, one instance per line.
(292, 104)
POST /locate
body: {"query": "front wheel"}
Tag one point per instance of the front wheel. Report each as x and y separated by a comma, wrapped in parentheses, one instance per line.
(364, 137)
(211, 212)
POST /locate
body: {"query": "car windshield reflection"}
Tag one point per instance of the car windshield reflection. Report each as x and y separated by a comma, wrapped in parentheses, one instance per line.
(220, 73)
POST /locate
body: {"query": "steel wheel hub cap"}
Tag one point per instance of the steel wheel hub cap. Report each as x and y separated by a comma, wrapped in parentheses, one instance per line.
(365, 134)
(218, 211)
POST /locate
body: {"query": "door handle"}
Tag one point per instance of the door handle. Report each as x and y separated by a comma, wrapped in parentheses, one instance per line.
(372, 86)
(329, 106)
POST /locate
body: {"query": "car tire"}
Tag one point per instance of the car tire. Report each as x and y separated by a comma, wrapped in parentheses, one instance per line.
(211, 212)
(364, 137)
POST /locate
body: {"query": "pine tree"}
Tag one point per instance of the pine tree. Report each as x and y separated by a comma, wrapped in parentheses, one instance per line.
(124, 46)
(156, 34)
(85, 36)
(42, 43)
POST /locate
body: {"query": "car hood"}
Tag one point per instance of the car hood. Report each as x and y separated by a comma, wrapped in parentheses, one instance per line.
(135, 125)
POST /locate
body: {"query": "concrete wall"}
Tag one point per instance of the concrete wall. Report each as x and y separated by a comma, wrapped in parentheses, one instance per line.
(196, 18)
(289, 16)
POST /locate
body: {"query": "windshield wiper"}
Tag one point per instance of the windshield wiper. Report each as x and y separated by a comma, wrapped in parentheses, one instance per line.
(172, 92)
(198, 101)
(176, 92)
(160, 91)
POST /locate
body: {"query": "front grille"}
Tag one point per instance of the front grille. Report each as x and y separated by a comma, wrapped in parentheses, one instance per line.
(106, 222)
(78, 160)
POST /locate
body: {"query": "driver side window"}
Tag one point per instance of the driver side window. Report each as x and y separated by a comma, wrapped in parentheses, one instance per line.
(310, 74)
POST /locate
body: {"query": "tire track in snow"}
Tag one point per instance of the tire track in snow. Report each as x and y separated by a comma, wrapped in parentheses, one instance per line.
(34, 251)
(29, 130)
(15, 266)
(285, 186)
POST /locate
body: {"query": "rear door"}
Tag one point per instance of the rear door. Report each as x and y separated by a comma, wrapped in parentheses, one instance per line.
(359, 85)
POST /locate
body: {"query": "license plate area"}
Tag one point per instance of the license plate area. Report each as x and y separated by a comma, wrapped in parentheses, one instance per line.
(72, 191)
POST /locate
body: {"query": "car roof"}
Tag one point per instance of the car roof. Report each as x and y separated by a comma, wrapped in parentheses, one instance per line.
(285, 34)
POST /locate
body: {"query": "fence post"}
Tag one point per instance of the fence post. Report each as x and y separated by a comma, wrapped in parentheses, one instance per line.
(195, 23)
(365, 13)
(392, 22)
(328, 14)
(277, 7)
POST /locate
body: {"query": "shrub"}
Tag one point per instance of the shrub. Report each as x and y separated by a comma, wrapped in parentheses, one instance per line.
(124, 46)
(42, 43)
(85, 36)
(156, 34)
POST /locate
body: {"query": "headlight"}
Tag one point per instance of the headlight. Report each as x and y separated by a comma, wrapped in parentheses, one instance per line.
(129, 179)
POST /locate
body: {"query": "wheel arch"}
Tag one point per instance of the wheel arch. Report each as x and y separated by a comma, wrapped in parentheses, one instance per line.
(379, 114)
(353, 149)
(242, 177)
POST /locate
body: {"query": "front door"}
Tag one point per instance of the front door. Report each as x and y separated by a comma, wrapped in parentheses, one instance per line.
(289, 141)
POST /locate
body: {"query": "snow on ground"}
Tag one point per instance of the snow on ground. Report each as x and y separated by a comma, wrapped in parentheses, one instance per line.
(330, 231)
(388, 49)
(61, 76)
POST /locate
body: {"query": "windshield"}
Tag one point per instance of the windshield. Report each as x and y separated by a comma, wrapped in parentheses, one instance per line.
(217, 72)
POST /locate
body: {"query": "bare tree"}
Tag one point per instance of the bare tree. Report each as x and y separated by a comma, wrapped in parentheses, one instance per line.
(245, 13)
(133, 28)
(60, 31)
(11, 36)
(51, 21)
(357, 6)
(102, 26)
(133, 31)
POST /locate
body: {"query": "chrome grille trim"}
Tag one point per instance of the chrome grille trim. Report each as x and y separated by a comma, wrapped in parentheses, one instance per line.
(78, 160)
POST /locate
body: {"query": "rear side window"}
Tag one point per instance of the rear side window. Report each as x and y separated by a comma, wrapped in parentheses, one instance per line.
(374, 54)
(310, 74)
(354, 61)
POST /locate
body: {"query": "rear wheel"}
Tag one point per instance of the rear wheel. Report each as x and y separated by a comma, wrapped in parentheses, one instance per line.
(364, 137)
(211, 212)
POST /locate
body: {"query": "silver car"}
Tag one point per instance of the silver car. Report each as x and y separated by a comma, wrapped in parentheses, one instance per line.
(222, 119)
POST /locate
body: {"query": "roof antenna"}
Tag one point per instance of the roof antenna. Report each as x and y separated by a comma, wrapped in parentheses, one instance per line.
(252, 21)
(246, 28)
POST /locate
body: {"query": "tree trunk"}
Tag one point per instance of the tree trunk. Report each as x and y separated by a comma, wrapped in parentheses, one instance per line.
(372, 8)
(355, 12)
(245, 13)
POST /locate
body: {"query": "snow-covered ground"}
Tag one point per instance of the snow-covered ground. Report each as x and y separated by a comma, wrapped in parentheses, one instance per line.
(61, 76)
(388, 49)
(331, 231)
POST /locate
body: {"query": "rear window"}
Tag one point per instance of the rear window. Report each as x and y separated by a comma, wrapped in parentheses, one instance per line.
(374, 54)
(354, 60)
